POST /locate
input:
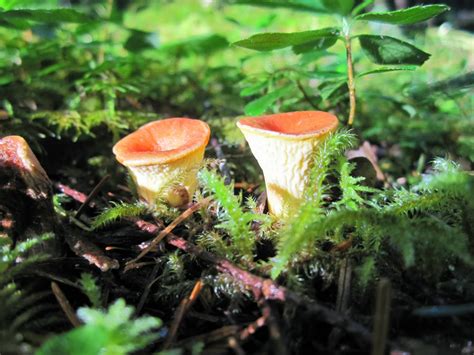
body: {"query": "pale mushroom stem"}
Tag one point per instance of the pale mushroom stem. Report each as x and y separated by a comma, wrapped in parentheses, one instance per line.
(284, 146)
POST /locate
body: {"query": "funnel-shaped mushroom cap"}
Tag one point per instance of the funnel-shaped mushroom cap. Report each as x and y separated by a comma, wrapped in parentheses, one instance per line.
(163, 158)
(284, 145)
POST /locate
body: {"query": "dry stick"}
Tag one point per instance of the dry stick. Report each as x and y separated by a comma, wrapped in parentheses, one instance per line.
(269, 290)
(223, 168)
(344, 285)
(185, 304)
(93, 193)
(69, 191)
(382, 317)
(65, 305)
(182, 217)
(274, 330)
(147, 289)
(350, 80)
(305, 94)
(262, 288)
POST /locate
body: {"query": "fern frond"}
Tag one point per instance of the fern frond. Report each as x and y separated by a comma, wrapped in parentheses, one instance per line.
(119, 211)
(233, 219)
(91, 289)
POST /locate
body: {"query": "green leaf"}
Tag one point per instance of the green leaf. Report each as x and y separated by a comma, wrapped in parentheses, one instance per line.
(316, 45)
(140, 40)
(204, 45)
(259, 106)
(278, 40)
(342, 7)
(359, 8)
(327, 89)
(300, 5)
(389, 50)
(406, 16)
(45, 16)
(253, 89)
(386, 70)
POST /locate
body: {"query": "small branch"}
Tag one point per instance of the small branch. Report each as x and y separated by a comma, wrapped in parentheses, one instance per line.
(223, 168)
(182, 217)
(262, 288)
(147, 289)
(93, 193)
(89, 251)
(185, 304)
(69, 191)
(65, 305)
(382, 317)
(305, 94)
(350, 79)
(344, 285)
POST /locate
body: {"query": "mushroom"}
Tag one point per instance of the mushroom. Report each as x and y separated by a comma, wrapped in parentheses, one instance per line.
(284, 145)
(163, 158)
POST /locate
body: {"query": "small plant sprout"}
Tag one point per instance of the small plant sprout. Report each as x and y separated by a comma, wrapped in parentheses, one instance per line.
(163, 158)
(284, 145)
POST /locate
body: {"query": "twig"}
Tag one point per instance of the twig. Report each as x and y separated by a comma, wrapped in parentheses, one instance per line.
(382, 317)
(73, 193)
(279, 347)
(344, 285)
(65, 305)
(254, 326)
(182, 217)
(264, 288)
(92, 194)
(89, 251)
(147, 289)
(211, 337)
(223, 168)
(305, 94)
(185, 304)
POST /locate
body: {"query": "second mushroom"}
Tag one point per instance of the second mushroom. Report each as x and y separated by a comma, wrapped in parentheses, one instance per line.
(284, 146)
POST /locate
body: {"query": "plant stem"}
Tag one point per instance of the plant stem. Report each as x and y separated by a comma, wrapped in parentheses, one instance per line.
(350, 81)
(350, 73)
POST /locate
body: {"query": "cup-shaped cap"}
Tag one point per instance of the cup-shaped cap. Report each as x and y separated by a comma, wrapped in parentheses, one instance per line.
(284, 145)
(163, 158)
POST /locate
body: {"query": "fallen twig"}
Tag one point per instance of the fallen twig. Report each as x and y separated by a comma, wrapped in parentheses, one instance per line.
(382, 317)
(264, 288)
(182, 217)
(89, 251)
(65, 305)
(73, 193)
(185, 304)
(92, 194)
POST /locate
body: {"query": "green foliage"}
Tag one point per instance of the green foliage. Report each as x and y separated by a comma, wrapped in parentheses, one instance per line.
(119, 211)
(105, 332)
(407, 16)
(296, 236)
(91, 289)
(271, 41)
(389, 50)
(421, 223)
(235, 221)
(21, 309)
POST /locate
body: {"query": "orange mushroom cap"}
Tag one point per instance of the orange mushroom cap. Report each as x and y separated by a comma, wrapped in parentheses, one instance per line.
(293, 124)
(162, 142)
